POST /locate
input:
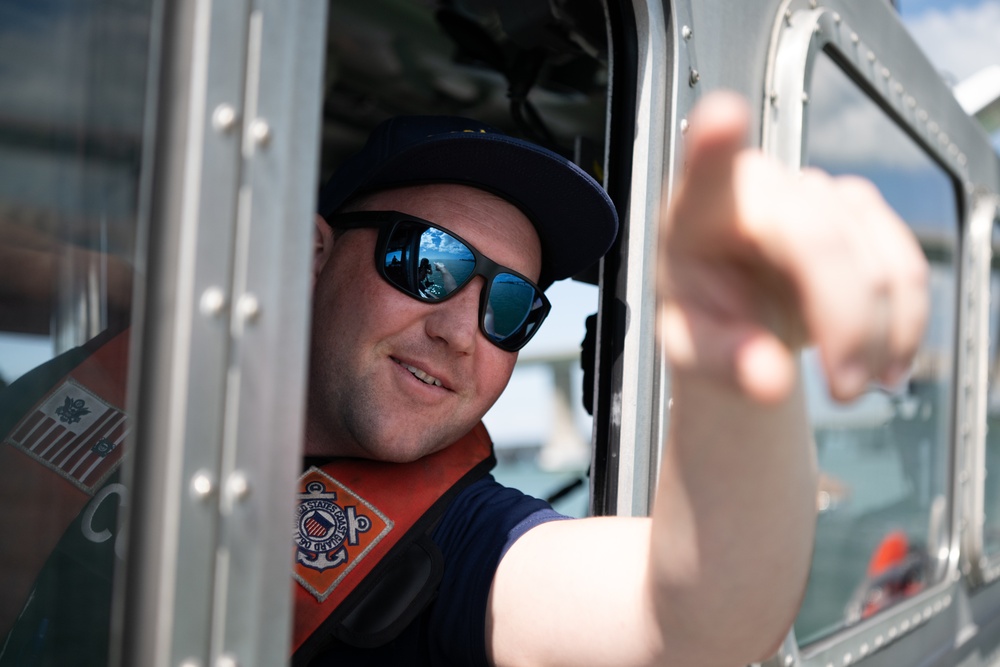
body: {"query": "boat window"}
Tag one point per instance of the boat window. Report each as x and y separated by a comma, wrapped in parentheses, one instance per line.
(73, 83)
(541, 75)
(991, 501)
(883, 505)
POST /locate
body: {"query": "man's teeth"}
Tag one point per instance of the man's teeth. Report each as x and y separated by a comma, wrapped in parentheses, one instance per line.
(422, 376)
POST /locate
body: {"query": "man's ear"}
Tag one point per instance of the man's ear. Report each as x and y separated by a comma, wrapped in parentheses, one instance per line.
(322, 246)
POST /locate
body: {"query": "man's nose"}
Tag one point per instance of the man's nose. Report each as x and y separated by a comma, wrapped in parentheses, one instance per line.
(456, 320)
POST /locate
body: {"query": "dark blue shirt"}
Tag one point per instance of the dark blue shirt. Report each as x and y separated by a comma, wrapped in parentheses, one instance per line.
(475, 531)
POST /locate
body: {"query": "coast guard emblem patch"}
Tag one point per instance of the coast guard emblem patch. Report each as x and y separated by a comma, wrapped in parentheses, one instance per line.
(334, 530)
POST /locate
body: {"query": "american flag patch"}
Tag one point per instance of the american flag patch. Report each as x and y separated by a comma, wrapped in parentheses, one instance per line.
(316, 526)
(75, 433)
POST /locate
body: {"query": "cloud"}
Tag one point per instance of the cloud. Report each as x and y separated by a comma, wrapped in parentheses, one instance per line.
(437, 241)
(961, 40)
(847, 130)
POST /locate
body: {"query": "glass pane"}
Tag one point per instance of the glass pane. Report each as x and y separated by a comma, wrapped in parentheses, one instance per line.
(72, 81)
(991, 503)
(883, 459)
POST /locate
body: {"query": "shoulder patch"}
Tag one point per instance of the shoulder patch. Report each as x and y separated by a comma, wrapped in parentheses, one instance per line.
(334, 530)
(74, 433)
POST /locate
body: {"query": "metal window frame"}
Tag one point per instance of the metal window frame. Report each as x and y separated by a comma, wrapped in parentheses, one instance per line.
(631, 382)
(902, 81)
(982, 568)
(222, 394)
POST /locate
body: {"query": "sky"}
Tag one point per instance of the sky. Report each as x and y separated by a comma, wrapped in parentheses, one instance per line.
(959, 36)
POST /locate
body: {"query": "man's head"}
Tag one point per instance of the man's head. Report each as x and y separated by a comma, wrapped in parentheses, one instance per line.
(575, 220)
(393, 376)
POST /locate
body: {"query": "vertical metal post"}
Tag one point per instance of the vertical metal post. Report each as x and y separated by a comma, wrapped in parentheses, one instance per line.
(226, 322)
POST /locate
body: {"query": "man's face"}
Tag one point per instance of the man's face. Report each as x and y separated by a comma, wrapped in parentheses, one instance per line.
(376, 351)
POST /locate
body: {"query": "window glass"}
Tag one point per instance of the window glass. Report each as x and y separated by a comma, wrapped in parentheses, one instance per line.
(884, 458)
(539, 424)
(72, 81)
(991, 503)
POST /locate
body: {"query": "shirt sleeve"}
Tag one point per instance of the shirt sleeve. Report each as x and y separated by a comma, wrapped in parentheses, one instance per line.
(473, 535)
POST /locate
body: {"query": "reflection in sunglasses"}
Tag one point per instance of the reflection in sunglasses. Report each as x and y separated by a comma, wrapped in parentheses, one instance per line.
(431, 264)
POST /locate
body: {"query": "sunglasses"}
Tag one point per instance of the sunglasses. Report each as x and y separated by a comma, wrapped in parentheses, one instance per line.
(430, 263)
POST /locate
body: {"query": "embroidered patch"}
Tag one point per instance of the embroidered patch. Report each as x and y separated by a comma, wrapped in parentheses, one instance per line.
(75, 433)
(334, 530)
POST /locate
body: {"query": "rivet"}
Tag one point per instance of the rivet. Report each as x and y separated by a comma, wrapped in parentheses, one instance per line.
(789, 660)
(898, 88)
(190, 662)
(952, 150)
(684, 125)
(943, 138)
(238, 485)
(693, 77)
(892, 633)
(863, 651)
(932, 127)
(212, 302)
(788, 17)
(904, 625)
(249, 307)
(871, 56)
(813, 4)
(686, 32)
(805, 97)
(261, 132)
(921, 115)
(201, 485)
(879, 640)
(836, 18)
(227, 660)
(886, 73)
(855, 38)
(911, 101)
(962, 159)
(817, 30)
(848, 658)
(772, 97)
(224, 118)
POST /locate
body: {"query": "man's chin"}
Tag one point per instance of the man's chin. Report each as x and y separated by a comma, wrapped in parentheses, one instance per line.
(406, 452)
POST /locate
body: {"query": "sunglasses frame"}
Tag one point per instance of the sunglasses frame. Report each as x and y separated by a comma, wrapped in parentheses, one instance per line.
(387, 221)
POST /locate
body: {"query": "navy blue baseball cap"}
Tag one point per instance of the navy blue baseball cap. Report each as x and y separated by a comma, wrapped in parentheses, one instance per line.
(573, 215)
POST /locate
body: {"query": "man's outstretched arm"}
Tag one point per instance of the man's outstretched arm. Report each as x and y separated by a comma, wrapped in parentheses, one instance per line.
(756, 263)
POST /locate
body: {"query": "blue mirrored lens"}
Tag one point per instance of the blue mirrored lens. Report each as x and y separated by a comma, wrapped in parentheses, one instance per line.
(509, 307)
(431, 264)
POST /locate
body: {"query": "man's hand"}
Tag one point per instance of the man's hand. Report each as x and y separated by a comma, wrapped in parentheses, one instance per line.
(758, 262)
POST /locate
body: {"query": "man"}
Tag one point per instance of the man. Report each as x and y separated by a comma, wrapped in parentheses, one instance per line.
(756, 263)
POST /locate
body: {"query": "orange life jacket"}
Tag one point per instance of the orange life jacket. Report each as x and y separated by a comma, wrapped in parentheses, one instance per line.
(364, 565)
(54, 464)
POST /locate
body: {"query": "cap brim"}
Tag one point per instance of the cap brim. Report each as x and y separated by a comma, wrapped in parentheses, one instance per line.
(575, 219)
